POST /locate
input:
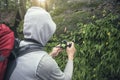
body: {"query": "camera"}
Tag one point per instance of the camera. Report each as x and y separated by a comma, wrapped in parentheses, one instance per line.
(64, 44)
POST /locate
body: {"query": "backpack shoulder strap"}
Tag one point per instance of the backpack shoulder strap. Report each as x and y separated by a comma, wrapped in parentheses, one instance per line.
(29, 48)
(32, 40)
(22, 51)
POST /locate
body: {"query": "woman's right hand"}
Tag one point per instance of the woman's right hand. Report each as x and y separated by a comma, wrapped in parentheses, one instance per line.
(71, 51)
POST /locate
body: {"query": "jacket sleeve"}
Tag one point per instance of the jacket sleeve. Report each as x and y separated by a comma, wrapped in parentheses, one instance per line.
(48, 70)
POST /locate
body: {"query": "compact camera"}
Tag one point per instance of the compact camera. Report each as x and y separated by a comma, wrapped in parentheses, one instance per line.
(64, 44)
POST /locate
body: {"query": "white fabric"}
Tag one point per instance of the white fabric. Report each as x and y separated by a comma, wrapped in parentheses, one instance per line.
(38, 25)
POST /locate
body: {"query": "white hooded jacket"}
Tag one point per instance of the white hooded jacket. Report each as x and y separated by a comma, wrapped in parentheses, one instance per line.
(39, 65)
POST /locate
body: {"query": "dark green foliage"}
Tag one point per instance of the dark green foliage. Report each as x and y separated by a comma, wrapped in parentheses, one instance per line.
(100, 49)
(96, 33)
(8, 4)
(98, 54)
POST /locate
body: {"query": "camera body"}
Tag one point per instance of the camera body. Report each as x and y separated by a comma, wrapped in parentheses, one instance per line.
(64, 44)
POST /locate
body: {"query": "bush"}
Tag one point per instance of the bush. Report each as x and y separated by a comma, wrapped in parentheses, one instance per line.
(100, 49)
(97, 44)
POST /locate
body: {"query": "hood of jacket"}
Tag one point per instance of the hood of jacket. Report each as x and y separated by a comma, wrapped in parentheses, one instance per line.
(38, 25)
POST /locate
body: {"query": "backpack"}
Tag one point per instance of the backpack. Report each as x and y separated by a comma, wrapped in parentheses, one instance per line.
(18, 52)
(10, 51)
(6, 45)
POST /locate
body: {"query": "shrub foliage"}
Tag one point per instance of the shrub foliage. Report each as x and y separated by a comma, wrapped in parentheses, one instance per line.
(97, 44)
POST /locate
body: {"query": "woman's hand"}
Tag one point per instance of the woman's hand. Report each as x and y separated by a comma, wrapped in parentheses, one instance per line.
(55, 51)
(71, 51)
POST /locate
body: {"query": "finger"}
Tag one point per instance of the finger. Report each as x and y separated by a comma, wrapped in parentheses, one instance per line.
(58, 46)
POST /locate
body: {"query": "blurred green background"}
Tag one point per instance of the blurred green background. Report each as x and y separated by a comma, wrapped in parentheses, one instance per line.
(94, 26)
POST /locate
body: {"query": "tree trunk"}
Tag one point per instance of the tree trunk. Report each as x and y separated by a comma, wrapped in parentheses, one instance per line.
(22, 8)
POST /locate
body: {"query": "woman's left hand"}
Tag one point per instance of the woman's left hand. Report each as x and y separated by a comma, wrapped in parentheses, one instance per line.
(55, 51)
